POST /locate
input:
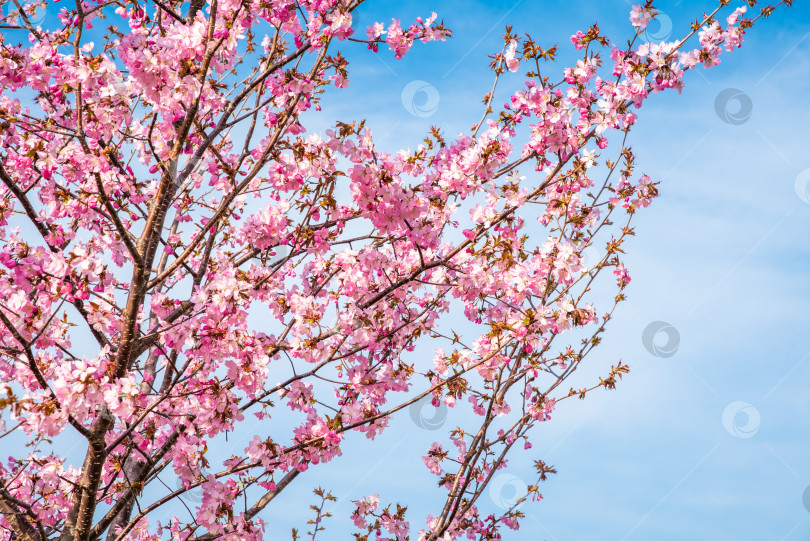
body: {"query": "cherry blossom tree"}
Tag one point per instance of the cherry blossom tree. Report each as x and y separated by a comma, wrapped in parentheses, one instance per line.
(173, 239)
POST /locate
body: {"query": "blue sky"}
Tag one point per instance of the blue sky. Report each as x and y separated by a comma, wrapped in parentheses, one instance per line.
(710, 442)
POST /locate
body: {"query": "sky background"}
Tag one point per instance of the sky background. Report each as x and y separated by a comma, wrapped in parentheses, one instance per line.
(707, 438)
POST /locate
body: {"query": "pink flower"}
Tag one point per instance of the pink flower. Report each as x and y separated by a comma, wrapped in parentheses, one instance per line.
(509, 56)
(640, 17)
